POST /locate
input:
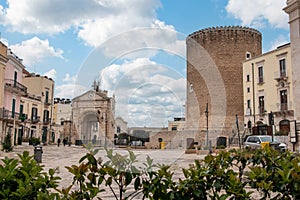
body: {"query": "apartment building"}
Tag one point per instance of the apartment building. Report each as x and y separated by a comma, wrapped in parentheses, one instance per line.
(12, 93)
(38, 106)
(3, 61)
(268, 91)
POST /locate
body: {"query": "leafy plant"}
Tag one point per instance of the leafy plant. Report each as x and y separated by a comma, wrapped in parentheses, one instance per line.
(6, 145)
(25, 179)
(235, 174)
(34, 141)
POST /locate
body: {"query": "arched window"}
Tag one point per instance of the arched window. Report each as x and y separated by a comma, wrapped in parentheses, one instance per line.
(284, 127)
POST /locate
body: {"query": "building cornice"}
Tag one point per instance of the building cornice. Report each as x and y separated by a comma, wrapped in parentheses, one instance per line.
(292, 5)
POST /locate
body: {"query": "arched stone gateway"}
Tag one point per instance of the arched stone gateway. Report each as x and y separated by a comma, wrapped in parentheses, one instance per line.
(90, 126)
(93, 117)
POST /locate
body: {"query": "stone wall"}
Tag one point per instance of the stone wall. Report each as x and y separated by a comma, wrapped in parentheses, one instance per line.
(215, 76)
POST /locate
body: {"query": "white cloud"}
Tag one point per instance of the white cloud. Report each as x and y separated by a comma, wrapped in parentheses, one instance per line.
(94, 20)
(147, 94)
(51, 74)
(70, 79)
(280, 40)
(34, 50)
(259, 12)
(69, 88)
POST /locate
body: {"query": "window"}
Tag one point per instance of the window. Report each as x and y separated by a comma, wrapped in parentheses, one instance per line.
(174, 128)
(248, 103)
(21, 109)
(283, 100)
(118, 129)
(260, 74)
(282, 68)
(248, 78)
(191, 87)
(261, 104)
(46, 116)
(47, 97)
(15, 78)
(248, 89)
(13, 108)
(34, 112)
(248, 55)
(22, 116)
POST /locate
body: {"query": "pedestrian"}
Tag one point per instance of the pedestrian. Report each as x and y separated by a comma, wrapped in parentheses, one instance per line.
(64, 141)
(58, 142)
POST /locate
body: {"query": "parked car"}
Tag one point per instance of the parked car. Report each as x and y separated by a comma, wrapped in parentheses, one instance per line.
(136, 143)
(260, 141)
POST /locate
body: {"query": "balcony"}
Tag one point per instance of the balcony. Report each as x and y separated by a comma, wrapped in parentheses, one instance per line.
(280, 75)
(35, 119)
(261, 110)
(47, 121)
(23, 117)
(284, 109)
(8, 115)
(283, 106)
(14, 86)
(260, 80)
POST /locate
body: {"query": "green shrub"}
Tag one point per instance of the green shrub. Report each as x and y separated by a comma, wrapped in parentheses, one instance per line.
(6, 145)
(235, 174)
(34, 141)
(24, 179)
(220, 147)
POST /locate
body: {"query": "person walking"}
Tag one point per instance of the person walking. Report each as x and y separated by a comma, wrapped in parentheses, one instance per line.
(64, 141)
(58, 142)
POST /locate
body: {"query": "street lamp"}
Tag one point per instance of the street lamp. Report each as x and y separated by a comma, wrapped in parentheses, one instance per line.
(206, 114)
(238, 129)
(101, 119)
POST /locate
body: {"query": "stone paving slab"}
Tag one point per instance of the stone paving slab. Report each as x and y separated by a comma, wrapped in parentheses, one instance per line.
(62, 156)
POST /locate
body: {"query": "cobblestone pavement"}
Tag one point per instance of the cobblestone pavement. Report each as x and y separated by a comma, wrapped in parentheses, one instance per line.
(62, 156)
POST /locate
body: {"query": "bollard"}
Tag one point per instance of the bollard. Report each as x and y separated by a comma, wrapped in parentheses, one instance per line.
(38, 151)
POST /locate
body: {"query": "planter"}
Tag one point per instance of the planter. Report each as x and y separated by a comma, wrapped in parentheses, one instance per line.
(190, 151)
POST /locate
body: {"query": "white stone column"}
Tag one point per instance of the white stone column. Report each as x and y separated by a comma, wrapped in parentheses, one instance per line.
(293, 10)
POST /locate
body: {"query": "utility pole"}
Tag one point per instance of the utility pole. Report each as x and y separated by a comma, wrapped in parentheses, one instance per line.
(206, 114)
(238, 130)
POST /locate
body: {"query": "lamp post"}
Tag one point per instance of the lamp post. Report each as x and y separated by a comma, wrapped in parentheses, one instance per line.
(238, 130)
(105, 129)
(100, 120)
(70, 132)
(271, 122)
(206, 114)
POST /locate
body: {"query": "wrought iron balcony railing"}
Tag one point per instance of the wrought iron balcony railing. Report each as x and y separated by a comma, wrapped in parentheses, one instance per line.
(16, 85)
(7, 114)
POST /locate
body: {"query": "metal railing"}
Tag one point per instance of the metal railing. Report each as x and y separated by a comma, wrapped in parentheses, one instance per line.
(283, 106)
(14, 84)
(7, 114)
(35, 119)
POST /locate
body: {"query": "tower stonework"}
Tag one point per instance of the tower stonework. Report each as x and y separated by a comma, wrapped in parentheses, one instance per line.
(215, 78)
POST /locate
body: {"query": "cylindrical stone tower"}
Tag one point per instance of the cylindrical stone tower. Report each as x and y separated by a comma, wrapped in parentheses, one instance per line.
(215, 78)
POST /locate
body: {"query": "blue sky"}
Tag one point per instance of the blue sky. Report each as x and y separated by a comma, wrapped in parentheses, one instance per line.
(136, 48)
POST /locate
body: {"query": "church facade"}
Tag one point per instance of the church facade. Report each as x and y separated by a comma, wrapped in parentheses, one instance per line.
(93, 117)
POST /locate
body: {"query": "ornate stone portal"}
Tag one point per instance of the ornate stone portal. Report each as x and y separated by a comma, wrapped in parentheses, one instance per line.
(93, 117)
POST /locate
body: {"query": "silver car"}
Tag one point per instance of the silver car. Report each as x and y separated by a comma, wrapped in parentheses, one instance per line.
(258, 141)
